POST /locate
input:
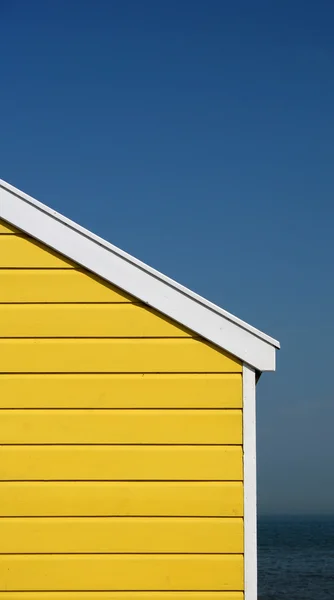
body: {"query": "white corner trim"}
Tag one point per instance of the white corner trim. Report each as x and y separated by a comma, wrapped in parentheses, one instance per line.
(134, 277)
(250, 499)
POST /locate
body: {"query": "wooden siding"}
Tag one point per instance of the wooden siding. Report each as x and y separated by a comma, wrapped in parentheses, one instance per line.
(121, 595)
(129, 463)
(146, 355)
(49, 286)
(119, 535)
(121, 391)
(121, 498)
(104, 426)
(31, 572)
(121, 443)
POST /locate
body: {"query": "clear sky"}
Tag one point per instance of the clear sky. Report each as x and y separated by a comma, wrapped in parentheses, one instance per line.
(198, 136)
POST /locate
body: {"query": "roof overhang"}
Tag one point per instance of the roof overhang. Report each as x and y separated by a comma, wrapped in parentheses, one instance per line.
(156, 290)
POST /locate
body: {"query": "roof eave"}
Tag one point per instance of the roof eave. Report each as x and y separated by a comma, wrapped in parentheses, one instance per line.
(137, 279)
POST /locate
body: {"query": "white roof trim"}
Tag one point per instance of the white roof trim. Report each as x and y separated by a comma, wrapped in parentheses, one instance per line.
(136, 278)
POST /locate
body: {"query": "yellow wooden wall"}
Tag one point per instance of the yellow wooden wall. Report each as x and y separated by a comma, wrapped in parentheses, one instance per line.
(121, 443)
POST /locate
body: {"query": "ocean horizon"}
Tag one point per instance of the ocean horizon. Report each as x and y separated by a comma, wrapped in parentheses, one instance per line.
(296, 557)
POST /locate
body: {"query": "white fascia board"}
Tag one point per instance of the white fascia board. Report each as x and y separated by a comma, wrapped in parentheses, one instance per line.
(250, 496)
(137, 279)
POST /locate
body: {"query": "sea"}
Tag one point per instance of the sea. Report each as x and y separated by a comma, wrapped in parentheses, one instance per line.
(296, 558)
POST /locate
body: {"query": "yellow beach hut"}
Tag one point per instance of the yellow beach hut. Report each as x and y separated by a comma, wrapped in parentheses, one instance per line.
(127, 423)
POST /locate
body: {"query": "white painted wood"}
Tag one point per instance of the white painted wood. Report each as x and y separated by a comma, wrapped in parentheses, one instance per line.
(250, 499)
(134, 277)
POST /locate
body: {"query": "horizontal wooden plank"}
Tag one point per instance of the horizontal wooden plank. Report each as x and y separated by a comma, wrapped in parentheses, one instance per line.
(121, 535)
(221, 463)
(121, 499)
(117, 572)
(121, 595)
(50, 285)
(142, 426)
(18, 252)
(121, 391)
(85, 320)
(113, 356)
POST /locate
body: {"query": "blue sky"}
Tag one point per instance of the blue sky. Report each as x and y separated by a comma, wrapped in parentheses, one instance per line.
(198, 136)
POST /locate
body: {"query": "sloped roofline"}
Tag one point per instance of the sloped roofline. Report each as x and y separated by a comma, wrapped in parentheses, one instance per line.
(136, 278)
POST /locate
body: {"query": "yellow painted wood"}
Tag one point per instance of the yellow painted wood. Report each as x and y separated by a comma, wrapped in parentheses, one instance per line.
(142, 426)
(50, 285)
(121, 596)
(131, 572)
(20, 252)
(134, 535)
(85, 320)
(122, 499)
(6, 228)
(116, 356)
(121, 391)
(150, 482)
(121, 463)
